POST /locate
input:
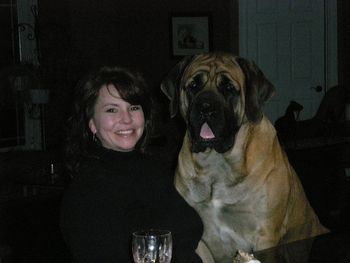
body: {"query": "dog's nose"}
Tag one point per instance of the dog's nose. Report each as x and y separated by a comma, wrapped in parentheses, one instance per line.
(205, 105)
(206, 109)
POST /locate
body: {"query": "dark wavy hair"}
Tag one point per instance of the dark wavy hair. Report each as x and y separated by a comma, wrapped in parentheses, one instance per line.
(132, 88)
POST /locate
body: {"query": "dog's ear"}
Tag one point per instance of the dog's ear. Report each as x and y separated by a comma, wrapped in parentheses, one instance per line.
(258, 89)
(170, 84)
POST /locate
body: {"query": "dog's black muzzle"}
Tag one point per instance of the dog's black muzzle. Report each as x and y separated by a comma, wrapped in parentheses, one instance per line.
(211, 122)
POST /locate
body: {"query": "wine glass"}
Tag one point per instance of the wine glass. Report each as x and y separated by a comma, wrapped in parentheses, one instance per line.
(152, 246)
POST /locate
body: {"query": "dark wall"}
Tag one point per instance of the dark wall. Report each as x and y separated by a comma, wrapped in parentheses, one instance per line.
(136, 33)
(344, 43)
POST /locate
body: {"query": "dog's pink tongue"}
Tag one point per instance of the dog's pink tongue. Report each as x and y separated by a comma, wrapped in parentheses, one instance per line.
(206, 132)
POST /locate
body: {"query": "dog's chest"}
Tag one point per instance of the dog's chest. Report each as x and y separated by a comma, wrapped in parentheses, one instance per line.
(227, 211)
(219, 174)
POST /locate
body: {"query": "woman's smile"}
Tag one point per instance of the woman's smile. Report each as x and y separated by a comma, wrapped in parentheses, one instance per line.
(125, 132)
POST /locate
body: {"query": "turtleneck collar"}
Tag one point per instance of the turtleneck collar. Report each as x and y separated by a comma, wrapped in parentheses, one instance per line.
(101, 152)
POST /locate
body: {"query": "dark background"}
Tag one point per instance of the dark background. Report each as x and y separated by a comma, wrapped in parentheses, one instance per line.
(130, 33)
(344, 43)
(78, 35)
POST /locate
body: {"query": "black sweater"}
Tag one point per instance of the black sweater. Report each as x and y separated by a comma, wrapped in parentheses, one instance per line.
(117, 193)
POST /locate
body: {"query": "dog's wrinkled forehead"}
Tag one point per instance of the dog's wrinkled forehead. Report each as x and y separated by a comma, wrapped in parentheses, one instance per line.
(212, 69)
(222, 72)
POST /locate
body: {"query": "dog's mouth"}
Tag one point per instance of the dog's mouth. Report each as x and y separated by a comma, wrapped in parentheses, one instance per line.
(206, 138)
(213, 136)
(206, 132)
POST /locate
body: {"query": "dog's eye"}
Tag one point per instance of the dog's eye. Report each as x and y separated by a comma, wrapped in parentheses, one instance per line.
(194, 86)
(229, 87)
(226, 85)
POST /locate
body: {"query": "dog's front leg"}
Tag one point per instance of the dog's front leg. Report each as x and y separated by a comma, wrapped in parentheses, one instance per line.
(190, 187)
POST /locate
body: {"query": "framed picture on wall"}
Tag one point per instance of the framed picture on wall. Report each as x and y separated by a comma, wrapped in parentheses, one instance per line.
(190, 34)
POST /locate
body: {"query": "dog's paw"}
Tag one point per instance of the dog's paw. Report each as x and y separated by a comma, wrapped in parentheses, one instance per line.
(244, 257)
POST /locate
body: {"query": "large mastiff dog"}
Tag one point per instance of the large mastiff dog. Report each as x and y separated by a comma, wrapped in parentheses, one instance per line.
(231, 168)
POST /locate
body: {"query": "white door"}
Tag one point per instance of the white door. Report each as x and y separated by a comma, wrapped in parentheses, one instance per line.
(289, 41)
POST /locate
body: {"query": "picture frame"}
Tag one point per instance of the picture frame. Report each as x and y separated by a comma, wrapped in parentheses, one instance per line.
(190, 34)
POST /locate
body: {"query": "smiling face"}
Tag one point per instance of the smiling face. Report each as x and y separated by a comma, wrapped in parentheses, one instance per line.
(116, 123)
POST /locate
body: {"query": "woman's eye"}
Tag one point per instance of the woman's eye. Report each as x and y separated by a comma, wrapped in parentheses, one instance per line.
(112, 110)
(135, 107)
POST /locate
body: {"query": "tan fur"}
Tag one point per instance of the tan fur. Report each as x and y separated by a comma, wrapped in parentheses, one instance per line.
(249, 197)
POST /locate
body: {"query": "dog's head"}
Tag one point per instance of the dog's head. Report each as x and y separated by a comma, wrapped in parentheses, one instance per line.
(215, 94)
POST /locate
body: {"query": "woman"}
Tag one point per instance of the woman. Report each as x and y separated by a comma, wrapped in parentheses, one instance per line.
(117, 188)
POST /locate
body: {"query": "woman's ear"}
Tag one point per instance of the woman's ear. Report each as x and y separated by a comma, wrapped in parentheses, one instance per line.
(92, 126)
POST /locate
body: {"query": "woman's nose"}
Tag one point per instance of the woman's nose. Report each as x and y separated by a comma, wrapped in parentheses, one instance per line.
(126, 117)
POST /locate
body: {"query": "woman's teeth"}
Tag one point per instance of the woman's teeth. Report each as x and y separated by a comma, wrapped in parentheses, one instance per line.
(124, 132)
